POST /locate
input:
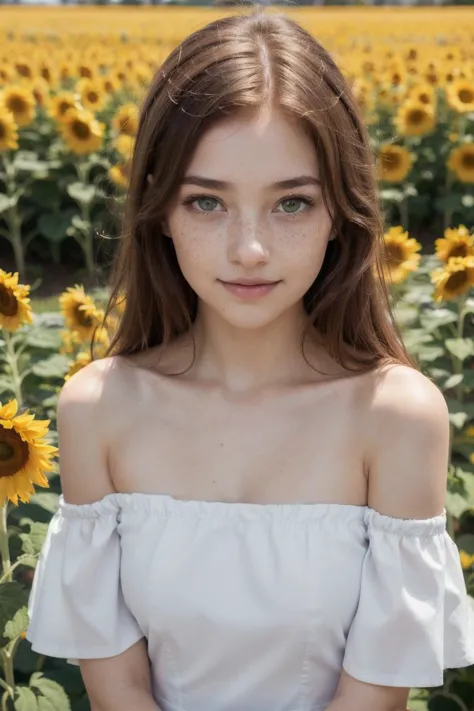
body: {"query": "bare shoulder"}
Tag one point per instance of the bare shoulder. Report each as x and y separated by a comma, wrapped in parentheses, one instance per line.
(404, 392)
(408, 426)
(88, 408)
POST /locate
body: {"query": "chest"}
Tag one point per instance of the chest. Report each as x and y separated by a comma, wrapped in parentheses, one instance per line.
(285, 450)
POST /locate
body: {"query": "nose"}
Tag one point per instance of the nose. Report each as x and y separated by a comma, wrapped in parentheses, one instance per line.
(248, 246)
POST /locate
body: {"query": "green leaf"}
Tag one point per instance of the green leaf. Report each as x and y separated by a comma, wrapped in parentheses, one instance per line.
(462, 348)
(466, 543)
(54, 225)
(453, 380)
(25, 699)
(430, 353)
(7, 202)
(13, 597)
(18, 625)
(49, 338)
(51, 696)
(458, 419)
(82, 193)
(55, 366)
(438, 317)
(33, 541)
(47, 501)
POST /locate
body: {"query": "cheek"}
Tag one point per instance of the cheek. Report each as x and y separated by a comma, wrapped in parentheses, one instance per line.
(196, 246)
(303, 250)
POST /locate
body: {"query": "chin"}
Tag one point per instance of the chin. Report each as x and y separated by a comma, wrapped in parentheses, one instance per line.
(251, 317)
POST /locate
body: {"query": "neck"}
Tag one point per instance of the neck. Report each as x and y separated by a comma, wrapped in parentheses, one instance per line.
(242, 360)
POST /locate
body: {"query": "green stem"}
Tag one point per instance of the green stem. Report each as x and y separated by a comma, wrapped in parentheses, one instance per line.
(87, 242)
(13, 217)
(4, 548)
(6, 656)
(459, 392)
(448, 213)
(12, 360)
(404, 213)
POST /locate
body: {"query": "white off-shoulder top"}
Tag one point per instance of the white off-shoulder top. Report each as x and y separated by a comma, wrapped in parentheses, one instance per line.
(252, 607)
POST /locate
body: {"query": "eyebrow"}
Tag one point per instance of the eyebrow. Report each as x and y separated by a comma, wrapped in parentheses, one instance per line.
(287, 184)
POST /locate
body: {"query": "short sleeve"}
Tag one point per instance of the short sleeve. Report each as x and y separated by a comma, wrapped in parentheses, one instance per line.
(76, 606)
(414, 618)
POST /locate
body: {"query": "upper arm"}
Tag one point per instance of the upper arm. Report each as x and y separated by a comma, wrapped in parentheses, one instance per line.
(408, 436)
(83, 424)
(85, 429)
(409, 446)
(111, 681)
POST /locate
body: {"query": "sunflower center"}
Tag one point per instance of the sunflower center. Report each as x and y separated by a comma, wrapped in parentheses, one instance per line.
(468, 160)
(93, 97)
(460, 250)
(456, 280)
(8, 301)
(390, 161)
(24, 70)
(3, 131)
(17, 105)
(466, 96)
(14, 453)
(395, 254)
(416, 117)
(83, 318)
(64, 106)
(80, 129)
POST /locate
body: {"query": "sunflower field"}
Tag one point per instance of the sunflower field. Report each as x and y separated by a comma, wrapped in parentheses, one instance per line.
(71, 81)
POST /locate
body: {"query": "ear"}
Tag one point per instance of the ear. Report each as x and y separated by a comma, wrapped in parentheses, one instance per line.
(165, 229)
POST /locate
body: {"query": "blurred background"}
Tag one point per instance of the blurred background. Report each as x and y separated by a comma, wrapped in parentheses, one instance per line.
(72, 76)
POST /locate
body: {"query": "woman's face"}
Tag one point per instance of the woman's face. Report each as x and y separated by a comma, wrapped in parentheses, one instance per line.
(250, 208)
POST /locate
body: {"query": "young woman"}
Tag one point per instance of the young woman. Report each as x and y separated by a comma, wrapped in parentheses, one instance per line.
(254, 478)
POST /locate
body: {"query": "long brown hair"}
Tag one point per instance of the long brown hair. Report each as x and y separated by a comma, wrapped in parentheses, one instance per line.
(243, 62)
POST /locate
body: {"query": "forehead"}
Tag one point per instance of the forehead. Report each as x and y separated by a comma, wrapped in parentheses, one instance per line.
(256, 147)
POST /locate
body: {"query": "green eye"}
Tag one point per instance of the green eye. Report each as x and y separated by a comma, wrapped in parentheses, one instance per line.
(291, 205)
(207, 204)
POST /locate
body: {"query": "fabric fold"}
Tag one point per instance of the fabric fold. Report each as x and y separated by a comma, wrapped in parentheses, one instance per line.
(414, 618)
(76, 604)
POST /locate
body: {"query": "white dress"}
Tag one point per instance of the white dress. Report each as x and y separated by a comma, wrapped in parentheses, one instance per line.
(252, 607)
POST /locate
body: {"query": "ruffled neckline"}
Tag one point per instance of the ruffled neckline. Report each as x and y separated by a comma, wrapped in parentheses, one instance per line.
(155, 504)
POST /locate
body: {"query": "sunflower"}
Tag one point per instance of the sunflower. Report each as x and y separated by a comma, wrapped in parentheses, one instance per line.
(15, 306)
(456, 242)
(101, 340)
(8, 131)
(40, 90)
(82, 359)
(24, 456)
(110, 84)
(454, 278)
(467, 561)
(125, 145)
(119, 174)
(460, 95)
(461, 162)
(414, 118)
(59, 104)
(80, 312)
(92, 94)
(126, 120)
(401, 257)
(423, 93)
(69, 342)
(21, 102)
(81, 131)
(394, 163)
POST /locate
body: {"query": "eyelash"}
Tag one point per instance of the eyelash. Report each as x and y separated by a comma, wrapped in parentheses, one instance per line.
(309, 202)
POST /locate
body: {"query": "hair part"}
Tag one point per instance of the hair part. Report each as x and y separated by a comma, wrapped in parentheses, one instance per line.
(258, 62)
